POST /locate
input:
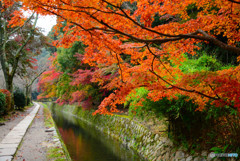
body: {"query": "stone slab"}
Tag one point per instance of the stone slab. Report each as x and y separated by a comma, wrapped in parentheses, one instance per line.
(11, 141)
(6, 158)
(9, 137)
(14, 134)
(24, 124)
(20, 125)
(19, 130)
(20, 133)
(7, 151)
(8, 146)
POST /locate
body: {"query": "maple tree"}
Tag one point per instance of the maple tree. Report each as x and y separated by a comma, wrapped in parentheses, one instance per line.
(16, 41)
(29, 80)
(48, 80)
(116, 30)
(69, 78)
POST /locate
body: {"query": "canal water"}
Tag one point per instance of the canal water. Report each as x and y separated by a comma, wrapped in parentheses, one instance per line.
(86, 143)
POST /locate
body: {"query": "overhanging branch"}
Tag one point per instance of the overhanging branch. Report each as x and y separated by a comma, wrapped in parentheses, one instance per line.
(234, 1)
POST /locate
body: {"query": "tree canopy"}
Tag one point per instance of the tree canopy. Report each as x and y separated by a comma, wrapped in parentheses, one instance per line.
(148, 41)
(17, 43)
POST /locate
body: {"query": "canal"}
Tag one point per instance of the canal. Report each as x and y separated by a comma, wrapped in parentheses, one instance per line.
(85, 143)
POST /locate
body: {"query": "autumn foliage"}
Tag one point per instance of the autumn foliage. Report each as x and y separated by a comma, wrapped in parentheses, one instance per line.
(19, 43)
(120, 33)
(48, 80)
(8, 99)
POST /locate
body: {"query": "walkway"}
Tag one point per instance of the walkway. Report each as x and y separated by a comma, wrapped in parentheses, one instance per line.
(10, 143)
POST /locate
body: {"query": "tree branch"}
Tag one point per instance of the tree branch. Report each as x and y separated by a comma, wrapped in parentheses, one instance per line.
(19, 27)
(159, 59)
(234, 1)
(168, 37)
(39, 74)
(18, 52)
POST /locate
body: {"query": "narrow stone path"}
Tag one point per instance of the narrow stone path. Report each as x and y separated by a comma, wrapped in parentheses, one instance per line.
(10, 143)
(35, 142)
(13, 120)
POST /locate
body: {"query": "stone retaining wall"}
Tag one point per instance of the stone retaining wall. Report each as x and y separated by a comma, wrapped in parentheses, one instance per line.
(151, 146)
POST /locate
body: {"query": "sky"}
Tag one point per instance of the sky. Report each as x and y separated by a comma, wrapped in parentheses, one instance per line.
(46, 23)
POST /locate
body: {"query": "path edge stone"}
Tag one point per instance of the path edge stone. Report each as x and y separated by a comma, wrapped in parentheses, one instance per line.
(57, 135)
(33, 114)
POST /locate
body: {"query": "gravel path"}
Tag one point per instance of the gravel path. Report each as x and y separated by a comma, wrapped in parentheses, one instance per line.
(34, 144)
(13, 121)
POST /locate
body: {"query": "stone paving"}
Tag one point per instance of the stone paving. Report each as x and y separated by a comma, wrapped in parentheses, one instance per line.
(9, 145)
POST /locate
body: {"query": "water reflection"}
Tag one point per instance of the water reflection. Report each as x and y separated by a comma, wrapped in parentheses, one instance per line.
(85, 143)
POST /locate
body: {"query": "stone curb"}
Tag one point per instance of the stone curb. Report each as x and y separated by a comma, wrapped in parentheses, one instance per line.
(57, 141)
(9, 145)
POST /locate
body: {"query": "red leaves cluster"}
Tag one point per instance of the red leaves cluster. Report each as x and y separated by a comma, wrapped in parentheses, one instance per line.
(47, 82)
(8, 98)
(82, 76)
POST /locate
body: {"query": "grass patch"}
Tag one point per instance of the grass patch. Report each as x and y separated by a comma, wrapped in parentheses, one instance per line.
(124, 116)
(56, 154)
(48, 121)
(2, 120)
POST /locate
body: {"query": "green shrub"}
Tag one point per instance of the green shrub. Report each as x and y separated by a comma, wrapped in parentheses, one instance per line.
(2, 104)
(203, 63)
(8, 99)
(19, 98)
(132, 100)
(187, 127)
(181, 113)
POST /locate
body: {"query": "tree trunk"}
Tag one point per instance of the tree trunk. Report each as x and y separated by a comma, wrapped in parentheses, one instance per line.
(28, 89)
(9, 85)
(30, 93)
(26, 95)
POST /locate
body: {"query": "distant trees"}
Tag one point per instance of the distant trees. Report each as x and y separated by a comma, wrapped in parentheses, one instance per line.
(16, 33)
(29, 79)
(20, 42)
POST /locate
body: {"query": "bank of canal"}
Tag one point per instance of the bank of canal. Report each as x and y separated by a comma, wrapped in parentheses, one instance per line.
(90, 138)
(86, 143)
